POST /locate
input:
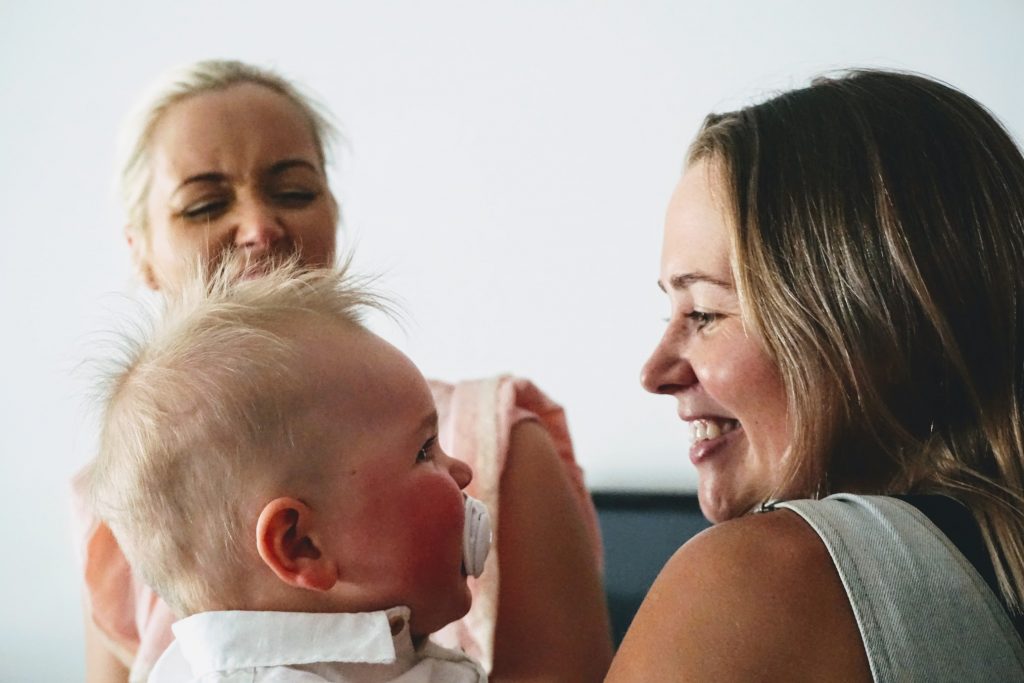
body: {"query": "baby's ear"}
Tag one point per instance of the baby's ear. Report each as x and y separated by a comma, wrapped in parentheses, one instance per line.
(285, 542)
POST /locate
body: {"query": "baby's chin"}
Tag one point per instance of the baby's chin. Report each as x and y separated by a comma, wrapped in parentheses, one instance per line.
(427, 622)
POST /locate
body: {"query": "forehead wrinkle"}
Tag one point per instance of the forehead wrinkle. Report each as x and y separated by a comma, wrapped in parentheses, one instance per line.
(220, 178)
(210, 178)
(198, 113)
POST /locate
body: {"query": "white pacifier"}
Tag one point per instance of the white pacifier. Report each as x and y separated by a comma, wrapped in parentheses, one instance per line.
(476, 537)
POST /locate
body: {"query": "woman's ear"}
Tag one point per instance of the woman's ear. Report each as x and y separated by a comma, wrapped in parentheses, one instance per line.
(285, 542)
(140, 257)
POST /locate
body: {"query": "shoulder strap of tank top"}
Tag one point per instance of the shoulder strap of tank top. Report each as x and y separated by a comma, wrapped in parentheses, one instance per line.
(957, 523)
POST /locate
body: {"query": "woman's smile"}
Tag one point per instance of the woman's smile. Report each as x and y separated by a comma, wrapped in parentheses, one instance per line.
(709, 435)
(727, 387)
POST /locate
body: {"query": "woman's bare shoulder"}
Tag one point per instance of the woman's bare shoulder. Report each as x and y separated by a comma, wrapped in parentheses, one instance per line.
(748, 599)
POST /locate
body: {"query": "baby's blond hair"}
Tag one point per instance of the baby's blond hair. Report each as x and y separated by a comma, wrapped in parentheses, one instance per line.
(197, 420)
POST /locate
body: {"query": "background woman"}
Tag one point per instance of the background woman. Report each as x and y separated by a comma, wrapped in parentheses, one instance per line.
(226, 156)
(845, 269)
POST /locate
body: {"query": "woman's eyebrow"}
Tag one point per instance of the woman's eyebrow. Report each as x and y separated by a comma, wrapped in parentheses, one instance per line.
(208, 177)
(686, 280)
(285, 164)
(276, 169)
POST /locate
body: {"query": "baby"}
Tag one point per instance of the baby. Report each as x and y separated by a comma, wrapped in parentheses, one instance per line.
(272, 469)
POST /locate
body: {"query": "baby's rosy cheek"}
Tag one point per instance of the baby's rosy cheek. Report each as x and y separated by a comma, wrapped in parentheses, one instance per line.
(442, 522)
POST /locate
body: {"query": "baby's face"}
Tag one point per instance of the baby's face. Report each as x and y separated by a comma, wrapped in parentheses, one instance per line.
(393, 505)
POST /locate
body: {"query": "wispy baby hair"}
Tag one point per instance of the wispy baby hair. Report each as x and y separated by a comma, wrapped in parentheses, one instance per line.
(198, 416)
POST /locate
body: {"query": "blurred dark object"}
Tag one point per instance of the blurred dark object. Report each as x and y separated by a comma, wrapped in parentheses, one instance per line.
(640, 531)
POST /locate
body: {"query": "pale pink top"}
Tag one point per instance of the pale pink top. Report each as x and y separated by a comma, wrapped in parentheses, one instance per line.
(476, 422)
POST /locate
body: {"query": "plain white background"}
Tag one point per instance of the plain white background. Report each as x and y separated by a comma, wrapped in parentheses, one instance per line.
(507, 169)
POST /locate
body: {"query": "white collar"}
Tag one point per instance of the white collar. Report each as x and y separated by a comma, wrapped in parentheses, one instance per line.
(220, 641)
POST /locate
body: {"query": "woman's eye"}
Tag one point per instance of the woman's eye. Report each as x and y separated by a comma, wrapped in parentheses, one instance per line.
(296, 197)
(426, 451)
(204, 209)
(701, 319)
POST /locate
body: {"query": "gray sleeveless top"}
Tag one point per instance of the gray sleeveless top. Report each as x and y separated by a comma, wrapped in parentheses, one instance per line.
(924, 613)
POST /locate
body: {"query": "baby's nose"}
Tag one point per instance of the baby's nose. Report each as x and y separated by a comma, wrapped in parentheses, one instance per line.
(461, 472)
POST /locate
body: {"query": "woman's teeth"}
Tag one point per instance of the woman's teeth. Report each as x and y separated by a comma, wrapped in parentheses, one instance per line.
(704, 430)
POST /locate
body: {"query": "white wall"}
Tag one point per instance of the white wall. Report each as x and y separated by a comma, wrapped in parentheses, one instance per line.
(508, 169)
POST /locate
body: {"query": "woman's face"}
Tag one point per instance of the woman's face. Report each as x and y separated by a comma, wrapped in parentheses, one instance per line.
(233, 169)
(726, 386)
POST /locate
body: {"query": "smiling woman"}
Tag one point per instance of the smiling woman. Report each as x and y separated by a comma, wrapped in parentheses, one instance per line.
(738, 415)
(845, 269)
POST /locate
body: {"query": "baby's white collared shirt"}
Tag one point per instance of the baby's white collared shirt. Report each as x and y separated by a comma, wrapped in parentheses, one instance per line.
(273, 647)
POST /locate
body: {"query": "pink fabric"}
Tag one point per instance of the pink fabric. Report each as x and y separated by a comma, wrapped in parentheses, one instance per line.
(476, 421)
(133, 619)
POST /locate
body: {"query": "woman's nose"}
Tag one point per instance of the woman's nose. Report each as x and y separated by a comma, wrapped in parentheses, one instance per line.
(259, 228)
(668, 369)
(460, 471)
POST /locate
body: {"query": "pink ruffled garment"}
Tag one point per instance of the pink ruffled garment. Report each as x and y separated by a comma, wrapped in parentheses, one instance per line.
(476, 422)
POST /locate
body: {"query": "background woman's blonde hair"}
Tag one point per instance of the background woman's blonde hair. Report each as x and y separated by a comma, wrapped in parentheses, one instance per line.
(198, 420)
(134, 163)
(879, 253)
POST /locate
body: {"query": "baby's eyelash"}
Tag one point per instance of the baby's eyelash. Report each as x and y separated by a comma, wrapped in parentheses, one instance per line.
(426, 450)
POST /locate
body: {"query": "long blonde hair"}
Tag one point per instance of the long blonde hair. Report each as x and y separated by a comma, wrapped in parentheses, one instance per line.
(879, 253)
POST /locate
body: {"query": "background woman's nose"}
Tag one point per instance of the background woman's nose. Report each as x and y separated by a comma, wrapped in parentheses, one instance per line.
(258, 228)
